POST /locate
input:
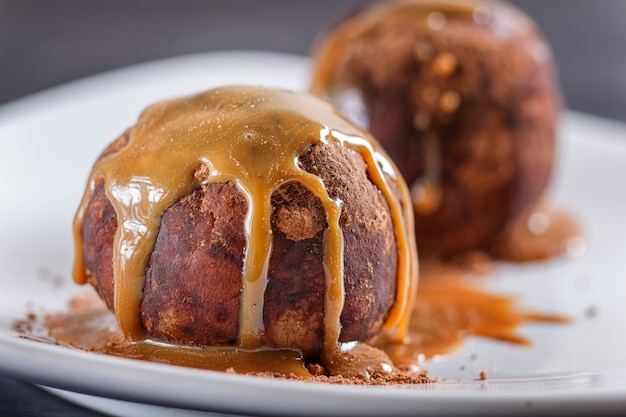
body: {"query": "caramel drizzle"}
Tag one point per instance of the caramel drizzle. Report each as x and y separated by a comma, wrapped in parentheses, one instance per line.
(426, 190)
(379, 165)
(252, 137)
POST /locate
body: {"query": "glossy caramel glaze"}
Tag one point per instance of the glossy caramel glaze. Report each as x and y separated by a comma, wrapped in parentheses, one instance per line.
(251, 137)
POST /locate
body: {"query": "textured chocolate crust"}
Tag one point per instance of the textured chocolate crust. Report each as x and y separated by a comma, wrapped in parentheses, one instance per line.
(193, 281)
(487, 94)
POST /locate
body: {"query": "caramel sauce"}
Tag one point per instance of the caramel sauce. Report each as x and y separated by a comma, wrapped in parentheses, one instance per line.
(94, 328)
(450, 306)
(542, 232)
(252, 137)
(426, 191)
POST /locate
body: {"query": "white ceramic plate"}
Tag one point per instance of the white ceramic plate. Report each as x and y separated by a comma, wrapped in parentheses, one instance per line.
(49, 142)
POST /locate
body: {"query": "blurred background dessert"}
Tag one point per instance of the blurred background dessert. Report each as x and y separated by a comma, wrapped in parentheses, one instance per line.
(464, 96)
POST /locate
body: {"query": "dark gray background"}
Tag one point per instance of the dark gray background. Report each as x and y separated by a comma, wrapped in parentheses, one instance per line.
(47, 43)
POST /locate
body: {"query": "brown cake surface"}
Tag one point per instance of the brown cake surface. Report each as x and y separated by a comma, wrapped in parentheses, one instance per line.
(195, 271)
(464, 97)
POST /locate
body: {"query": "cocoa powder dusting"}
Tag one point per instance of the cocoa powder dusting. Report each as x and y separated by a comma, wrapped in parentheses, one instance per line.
(25, 325)
(401, 376)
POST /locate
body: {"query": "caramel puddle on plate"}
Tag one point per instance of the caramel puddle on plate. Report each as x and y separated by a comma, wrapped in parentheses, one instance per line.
(89, 325)
(450, 306)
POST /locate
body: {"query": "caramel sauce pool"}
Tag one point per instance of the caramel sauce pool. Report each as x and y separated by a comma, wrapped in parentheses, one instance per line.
(451, 306)
(251, 137)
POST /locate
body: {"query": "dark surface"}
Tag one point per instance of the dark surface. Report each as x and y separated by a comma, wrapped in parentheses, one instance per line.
(44, 43)
(20, 399)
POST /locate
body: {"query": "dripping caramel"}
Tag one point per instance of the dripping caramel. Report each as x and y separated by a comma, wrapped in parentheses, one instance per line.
(252, 137)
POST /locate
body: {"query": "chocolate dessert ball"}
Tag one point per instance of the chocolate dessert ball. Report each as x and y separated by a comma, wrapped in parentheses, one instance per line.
(464, 97)
(249, 217)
